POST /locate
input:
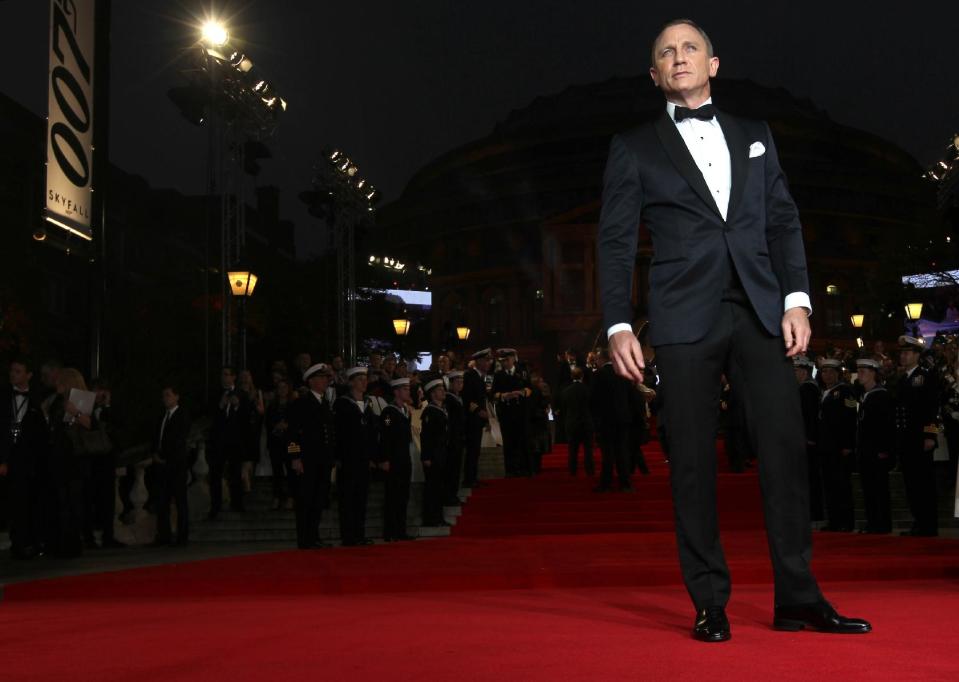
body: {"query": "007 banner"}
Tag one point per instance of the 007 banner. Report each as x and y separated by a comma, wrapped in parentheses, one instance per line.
(70, 121)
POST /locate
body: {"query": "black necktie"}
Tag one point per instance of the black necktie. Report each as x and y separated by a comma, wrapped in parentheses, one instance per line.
(707, 112)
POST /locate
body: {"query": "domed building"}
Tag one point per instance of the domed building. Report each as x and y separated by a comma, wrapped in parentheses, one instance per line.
(508, 222)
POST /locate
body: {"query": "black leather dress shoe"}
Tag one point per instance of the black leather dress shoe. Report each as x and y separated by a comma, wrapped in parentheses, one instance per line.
(712, 625)
(820, 616)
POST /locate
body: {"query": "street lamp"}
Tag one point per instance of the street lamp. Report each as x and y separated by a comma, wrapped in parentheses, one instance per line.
(242, 284)
(401, 326)
(463, 332)
(857, 319)
(913, 311)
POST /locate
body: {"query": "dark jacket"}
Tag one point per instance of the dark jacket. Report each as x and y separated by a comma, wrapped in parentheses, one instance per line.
(916, 409)
(28, 453)
(474, 395)
(836, 427)
(357, 436)
(809, 397)
(651, 177)
(609, 400)
(311, 427)
(575, 410)
(396, 435)
(876, 432)
(231, 417)
(172, 448)
(456, 412)
(434, 434)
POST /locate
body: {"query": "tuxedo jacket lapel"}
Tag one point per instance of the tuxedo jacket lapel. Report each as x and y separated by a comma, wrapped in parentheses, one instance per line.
(683, 160)
(738, 156)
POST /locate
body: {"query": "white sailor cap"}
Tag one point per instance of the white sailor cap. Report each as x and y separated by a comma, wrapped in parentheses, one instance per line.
(867, 363)
(803, 361)
(830, 363)
(455, 374)
(433, 383)
(912, 343)
(480, 354)
(399, 383)
(353, 371)
(318, 368)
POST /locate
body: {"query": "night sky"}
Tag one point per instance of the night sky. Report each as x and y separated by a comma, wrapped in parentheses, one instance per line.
(395, 84)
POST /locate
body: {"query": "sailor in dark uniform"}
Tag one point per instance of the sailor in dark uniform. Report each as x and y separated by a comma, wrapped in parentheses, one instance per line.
(916, 410)
(809, 397)
(434, 449)
(357, 452)
(875, 439)
(457, 416)
(395, 439)
(511, 389)
(23, 461)
(477, 417)
(836, 443)
(312, 451)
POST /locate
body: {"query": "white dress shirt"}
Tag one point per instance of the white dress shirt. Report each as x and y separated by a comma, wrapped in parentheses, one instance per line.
(707, 145)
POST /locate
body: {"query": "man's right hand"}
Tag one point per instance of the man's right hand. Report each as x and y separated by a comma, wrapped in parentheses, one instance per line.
(627, 356)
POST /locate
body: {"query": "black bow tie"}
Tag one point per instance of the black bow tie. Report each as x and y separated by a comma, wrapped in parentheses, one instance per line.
(707, 112)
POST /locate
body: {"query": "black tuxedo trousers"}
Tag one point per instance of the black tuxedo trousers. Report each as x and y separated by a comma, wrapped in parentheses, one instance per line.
(755, 361)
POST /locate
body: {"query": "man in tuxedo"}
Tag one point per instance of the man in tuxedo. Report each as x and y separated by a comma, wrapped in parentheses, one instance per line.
(578, 421)
(230, 414)
(23, 450)
(171, 463)
(728, 292)
(312, 435)
(474, 400)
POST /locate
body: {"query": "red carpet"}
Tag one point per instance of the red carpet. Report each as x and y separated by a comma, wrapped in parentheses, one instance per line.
(543, 579)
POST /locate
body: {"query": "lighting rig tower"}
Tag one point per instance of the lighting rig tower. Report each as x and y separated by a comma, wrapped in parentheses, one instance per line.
(240, 109)
(345, 200)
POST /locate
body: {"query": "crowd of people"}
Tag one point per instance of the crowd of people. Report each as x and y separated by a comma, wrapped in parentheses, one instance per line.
(319, 422)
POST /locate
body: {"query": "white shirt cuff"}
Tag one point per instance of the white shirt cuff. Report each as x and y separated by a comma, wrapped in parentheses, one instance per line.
(621, 327)
(798, 299)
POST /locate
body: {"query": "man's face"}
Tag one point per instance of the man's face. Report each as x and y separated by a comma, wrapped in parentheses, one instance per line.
(358, 383)
(830, 376)
(443, 362)
(908, 358)
(19, 376)
(376, 360)
(401, 394)
(319, 383)
(227, 378)
(338, 363)
(682, 64)
(438, 394)
(170, 398)
(482, 364)
(456, 385)
(867, 376)
(49, 376)
(508, 362)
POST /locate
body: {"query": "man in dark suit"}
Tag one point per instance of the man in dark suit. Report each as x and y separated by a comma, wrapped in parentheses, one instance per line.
(511, 389)
(728, 291)
(474, 400)
(613, 411)
(171, 463)
(836, 442)
(312, 435)
(23, 452)
(875, 443)
(226, 444)
(578, 421)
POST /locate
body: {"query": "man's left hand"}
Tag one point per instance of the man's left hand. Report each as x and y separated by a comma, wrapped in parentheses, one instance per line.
(796, 331)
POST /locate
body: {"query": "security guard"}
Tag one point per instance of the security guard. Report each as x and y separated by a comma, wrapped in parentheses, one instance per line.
(477, 416)
(434, 448)
(809, 397)
(357, 452)
(875, 438)
(511, 388)
(836, 443)
(454, 460)
(312, 452)
(395, 439)
(916, 407)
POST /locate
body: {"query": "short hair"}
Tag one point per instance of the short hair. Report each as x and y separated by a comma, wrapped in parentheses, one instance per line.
(172, 387)
(576, 373)
(23, 362)
(679, 22)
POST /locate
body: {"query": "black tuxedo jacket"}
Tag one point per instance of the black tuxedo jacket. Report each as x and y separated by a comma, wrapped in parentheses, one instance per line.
(26, 456)
(575, 408)
(651, 177)
(609, 401)
(312, 427)
(173, 446)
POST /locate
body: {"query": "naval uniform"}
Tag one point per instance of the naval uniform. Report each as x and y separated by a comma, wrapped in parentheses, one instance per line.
(395, 439)
(312, 429)
(916, 407)
(357, 448)
(837, 432)
(434, 448)
(456, 411)
(513, 416)
(876, 437)
(474, 400)
(809, 398)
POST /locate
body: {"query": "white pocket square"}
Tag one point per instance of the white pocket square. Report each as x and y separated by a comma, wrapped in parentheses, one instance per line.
(756, 149)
